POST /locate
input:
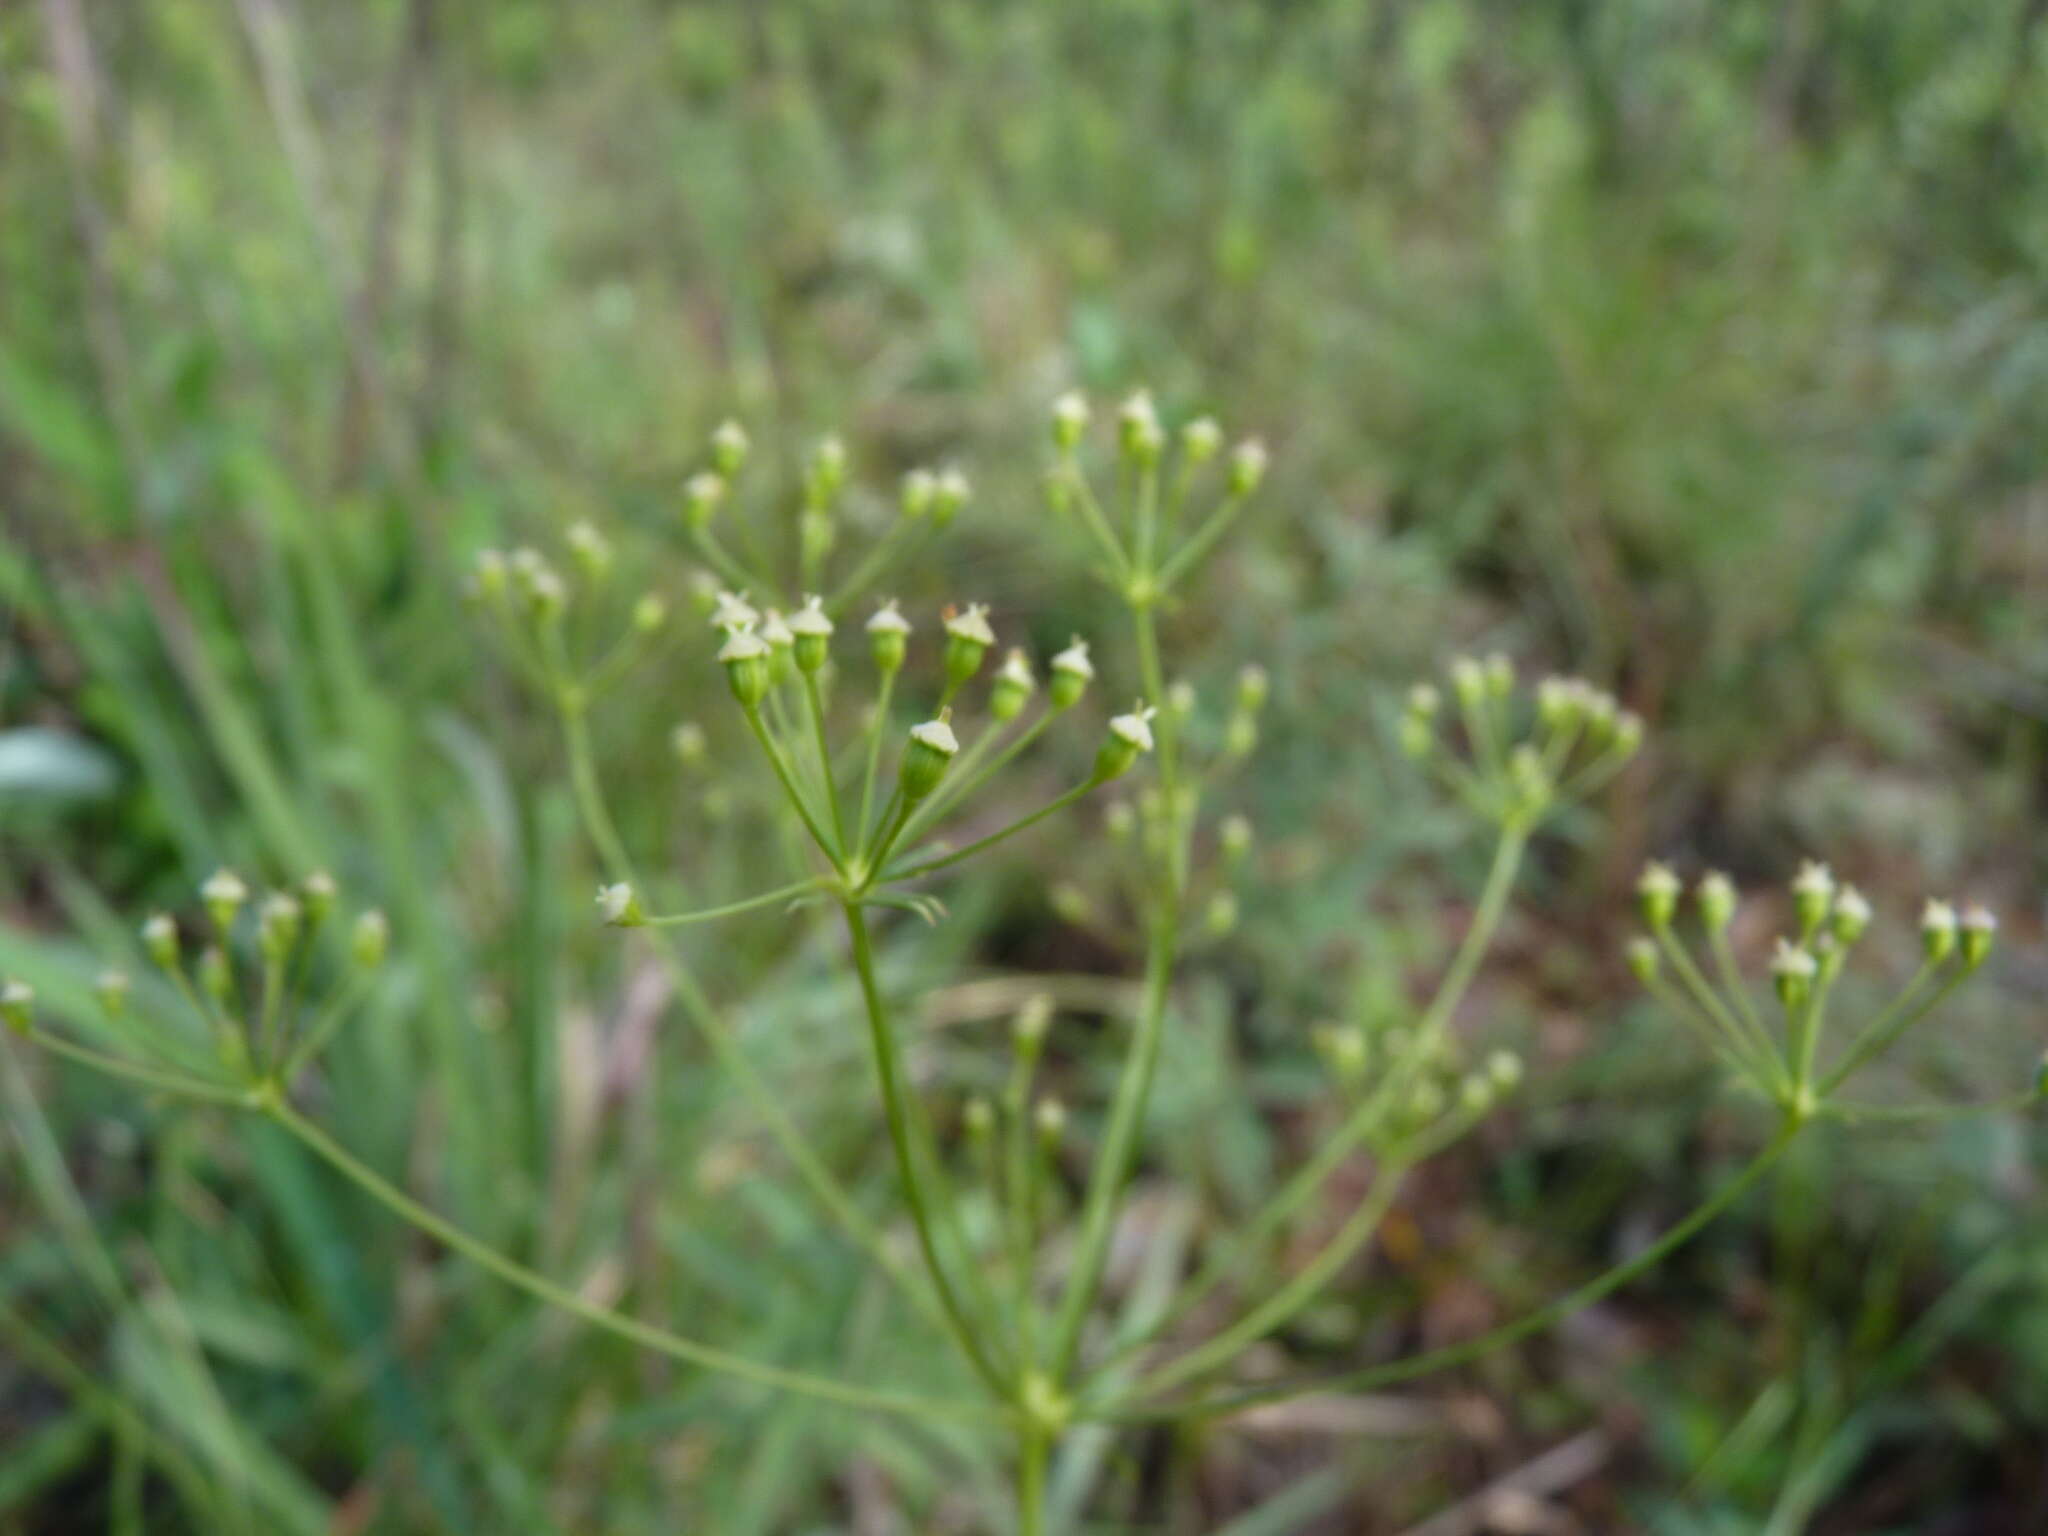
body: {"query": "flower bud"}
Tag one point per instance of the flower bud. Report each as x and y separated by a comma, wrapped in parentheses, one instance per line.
(703, 495)
(1628, 733)
(813, 632)
(1069, 903)
(1012, 688)
(1253, 687)
(826, 471)
(1417, 736)
(1528, 776)
(1504, 1070)
(160, 940)
(1180, 699)
(618, 906)
(1247, 467)
(369, 940)
(110, 989)
(1475, 1094)
(977, 1118)
(745, 659)
(1851, 918)
(949, 494)
(1072, 672)
(1129, 735)
(777, 636)
(888, 637)
(1468, 681)
(1500, 675)
(931, 751)
(223, 894)
(1792, 971)
(545, 595)
(1716, 897)
(1343, 1049)
(317, 893)
(216, 980)
(1426, 1101)
(1028, 1031)
(1657, 892)
(277, 926)
(1050, 1118)
(688, 743)
(1557, 703)
(729, 448)
(1601, 714)
(1138, 430)
(1813, 889)
(731, 611)
(488, 576)
(1643, 959)
(649, 614)
(914, 494)
(1937, 931)
(1220, 916)
(968, 638)
(1234, 839)
(591, 551)
(1201, 439)
(1424, 702)
(1069, 420)
(17, 1005)
(1979, 927)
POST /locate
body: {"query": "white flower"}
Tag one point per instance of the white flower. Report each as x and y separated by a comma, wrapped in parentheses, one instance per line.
(887, 620)
(1135, 727)
(1789, 960)
(1074, 659)
(810, 619)
(936, 734)
(731, 610)
(971, 623)
(1016, 670)
(742, 644)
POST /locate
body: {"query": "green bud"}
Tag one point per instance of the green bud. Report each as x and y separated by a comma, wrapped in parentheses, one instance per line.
(317, 894)
(688, 743)
(1793, 969)
(1012, 688)
(1468, 681)
(1417, 736)
(1234, 839)
(1070, 903)
(1813, 890)
(1475, 1094)
(591, 551)
(1643, 959)
(1253, 688)
(1500, 675)
(931, 751)
(1072, 672)
(160, 940)
(949, 495)
(1628, 733)
(1069, 420)
(1716, 897)
(968, 638)
(1937, 931)
(978, 1118)
(369, 940)
(618, 906)
(731, 611)
(216, 980)
(17, 1005)
(1138, 430)
(1220, 916)
(1657, 892)
(729, 448)
(1978, 928)
(813, 632)
(1201, 439)
(1343, 1048)
(649, 614)
(278, 926)
(826, 471)
(1850, 919)
(1247, 467)
(110, 988)
(888, 637)
(488, 577)
(1051, 1120)
(1504, 1070)
(224, 895)
(745, 659)
(914, 499)
(1240, 735)
(1029, 1029)
(1129, 735)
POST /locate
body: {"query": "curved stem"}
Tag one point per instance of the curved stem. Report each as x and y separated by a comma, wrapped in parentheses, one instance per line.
(790, 787)
(1542, 1319)
(159, 1078)
(733, 908)
(889, 1072)
(646, 1335)
(1022, 822)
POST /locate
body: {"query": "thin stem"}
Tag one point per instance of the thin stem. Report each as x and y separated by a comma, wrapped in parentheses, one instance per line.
(1895, 1020)
(331, 1017)
(966, 778)
(646, 1335)
(1147, 518)
(729, 569)
(816, 703)
(1019, 825)
(1709, 1002)
(789, 787)
(1098, 525)
(135, 1072)
(732, 908)
(1752, 1022)
(895, 1108)
(878, 727)
(1925, 1114)
(1200, 542)
(1539, 1321)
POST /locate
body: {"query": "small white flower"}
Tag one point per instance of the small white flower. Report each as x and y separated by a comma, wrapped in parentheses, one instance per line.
(1016, 670)
(936, 734)
(1135, 727)
(810, 619)
(1852, 908)
(742, 644)
(1790, 960)
(1658, 881)
(1074, 659)
(776, 631)
(1070, 414)
(618, 906)
(1937, 917)
(971, 623)
(887, 620)
(731, 610)
(1815, 881)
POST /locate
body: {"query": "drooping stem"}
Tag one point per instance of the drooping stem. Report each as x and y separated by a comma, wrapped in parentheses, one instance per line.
(646, 1335)
(896, 1110)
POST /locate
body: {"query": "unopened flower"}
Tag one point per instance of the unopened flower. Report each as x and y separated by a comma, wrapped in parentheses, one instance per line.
(745, 659)
(1201, 439)
(1716, 897)
(888, 636)
(775, 631)
(1138, 429)
(277, 926)
(1014, 684)
(932, 748)
(1069, 419)
(110, 988)
(1643, 959)
(1504, 1070)
(914, 495)
(968, 638)
(649, 614)
(1979, 926)
(813, 632)
(950, 492)
(224, 895)
(1051, 1120)
(160, 939)
(618, 906)
(978, 1118)
(729, 447)
(1219, 917)
(1253, 687)
(1234, 838)
(1813, 889)
(17, 1005)
(216, 979)
(1028, 1030)
(826, 471)
(1468, 680)
(1937, 931)
(591, 550)
(1247, 467)
(1792, 971)
(731, 610)
(1657, 890)
(369, 940)
(1628, 732)
(317, 893)
(1557, 703)
(1500, 675)
(1343, 1048)
(703, 494)
(488, 576)
(1851, 916)
(1129, 735)
(1072, 672)
(688, 743)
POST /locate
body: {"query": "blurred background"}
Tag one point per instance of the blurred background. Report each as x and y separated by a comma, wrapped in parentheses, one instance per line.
(1697, 345)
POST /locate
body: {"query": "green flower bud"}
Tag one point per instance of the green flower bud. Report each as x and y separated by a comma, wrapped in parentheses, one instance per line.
(369, 940)
(932, 749)
(1468, 681)
(731, 611)
(1343, 1048)
(17, 1005)
(1792, 972)
(1557, 703)
(1013, 686)
(1240, 735)
(1424, 702)
(949, 494)
(1070, 903)
(546, 596)
(1234, 839)
(1138, 430)
(224, 895)
(702, 496)
(1253, 688)
(1069, 420)
(1813, 889)
(1526, 773)
(1657, 892)
(1601, 714)
(1628, 733)
(216, 980)
(1643, 959)
(277, 926)
(1051, 1120)
(813, 632)
(1417, 736)
(968, 638)
(1500, 675)
(1201, 439)
(1072, 672)
(488, 577)
(317, 894)
(618, 906)
(1129, 736)
(1716, 897)
(110, 988)
(591, 551)
(826, 471)
(745, 659)
(160, 940)
(888, 637)
(1247, 467)
(1937, 931)
(1850, 919)
(1978, 928)
(1504, 1070)
(688, 743)
(978, 1118)
(914, 499)
(1220, 916)
(1426, 1101)
(1475, 1094)
(729, 448)
(1028, 1030)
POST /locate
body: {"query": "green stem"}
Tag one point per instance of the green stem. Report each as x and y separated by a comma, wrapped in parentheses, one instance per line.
(895, 1108)
(1019, 825)
(732, 908)
(646, 1335)
(1710, 1002)
(1924, 1114)
(134, 1072)
(1098, 525)
(1033, 1448)
(1200, 542)
(734, 574)
(332, 1015)
(789, 788)
(878, 727)
(1539, 1321)
(1766, 1053)
(816, 704)
(1878, 1035)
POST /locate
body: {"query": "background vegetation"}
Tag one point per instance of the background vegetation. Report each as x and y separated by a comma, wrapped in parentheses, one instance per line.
(1698, 346)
